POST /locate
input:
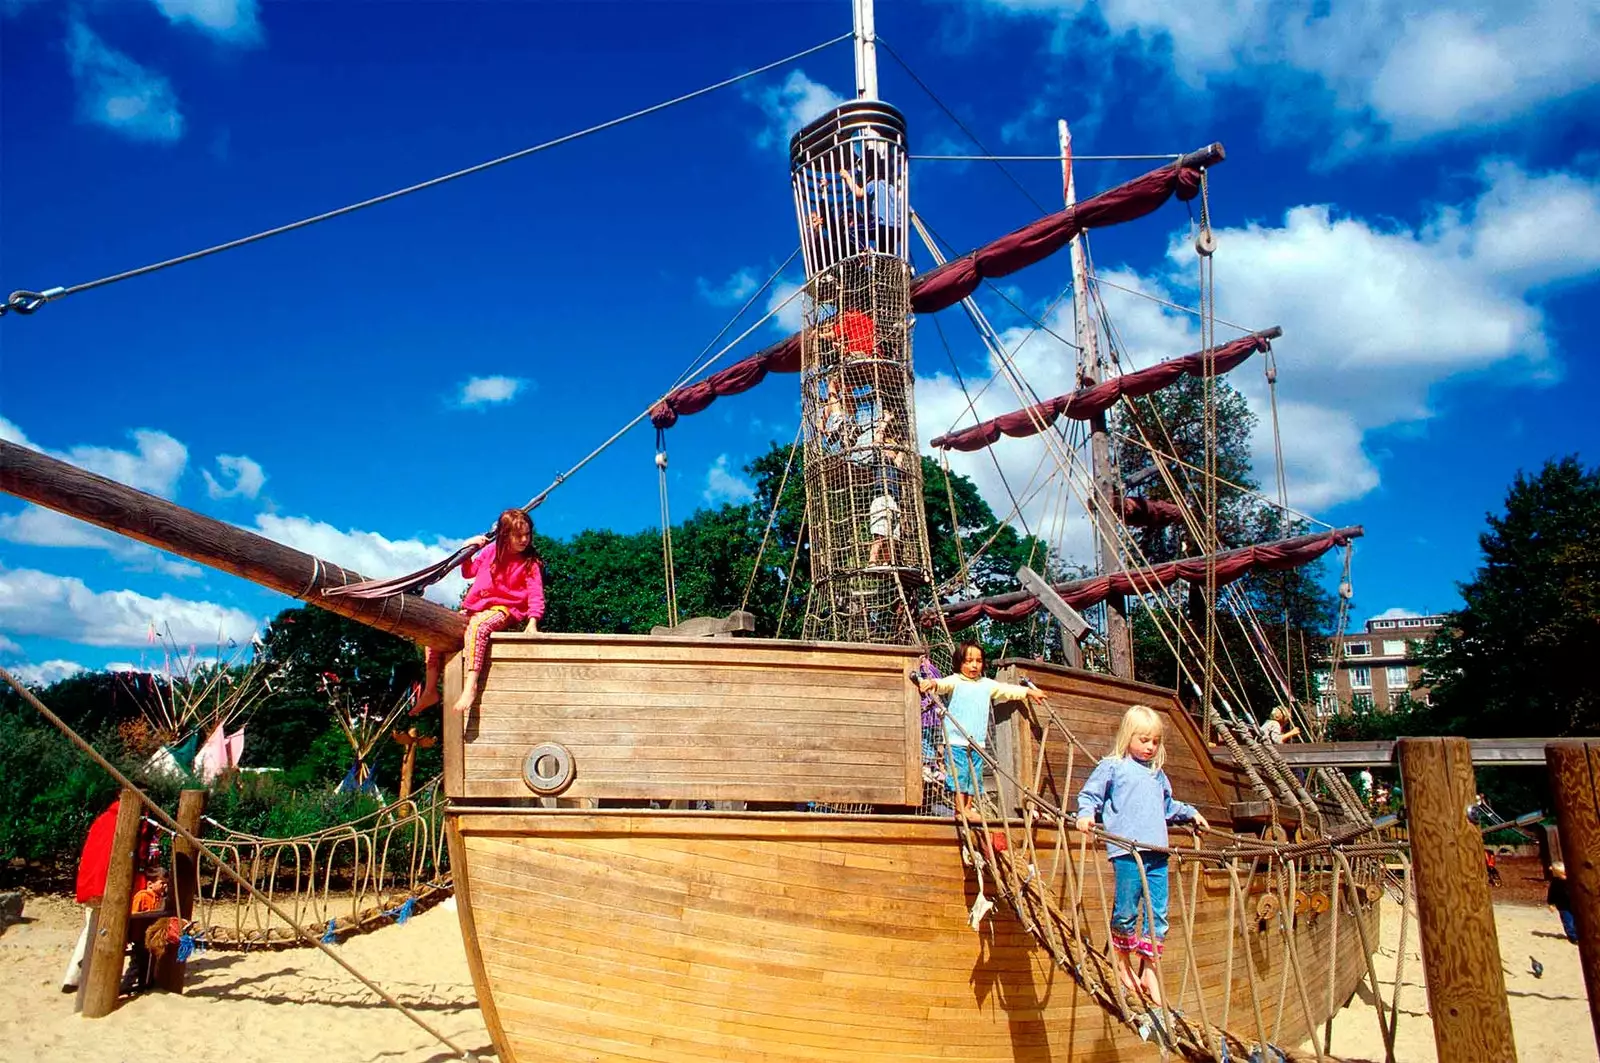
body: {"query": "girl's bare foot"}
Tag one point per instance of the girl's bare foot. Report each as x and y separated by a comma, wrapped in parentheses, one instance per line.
(463, 704)
(425, 702)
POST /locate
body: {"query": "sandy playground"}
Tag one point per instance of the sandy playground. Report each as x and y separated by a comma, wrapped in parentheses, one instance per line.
(280, 1007)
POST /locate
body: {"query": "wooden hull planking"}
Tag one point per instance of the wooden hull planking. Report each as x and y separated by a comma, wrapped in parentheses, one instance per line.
(672, 936)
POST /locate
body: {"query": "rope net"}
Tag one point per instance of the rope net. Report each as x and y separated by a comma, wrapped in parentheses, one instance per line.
(863, 472)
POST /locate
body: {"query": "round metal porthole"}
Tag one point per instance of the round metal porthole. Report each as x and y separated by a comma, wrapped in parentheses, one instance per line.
(548, 769)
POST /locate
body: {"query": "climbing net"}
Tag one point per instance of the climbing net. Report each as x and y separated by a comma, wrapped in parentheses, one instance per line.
(335, 882)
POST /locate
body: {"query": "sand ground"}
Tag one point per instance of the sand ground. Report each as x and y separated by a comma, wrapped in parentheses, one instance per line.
(282, 1007)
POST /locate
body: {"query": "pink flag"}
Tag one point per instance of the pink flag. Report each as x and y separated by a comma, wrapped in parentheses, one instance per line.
(213, 756)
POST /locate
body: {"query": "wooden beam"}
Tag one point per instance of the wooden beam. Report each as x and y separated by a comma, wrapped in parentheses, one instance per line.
(1460, 948)
(103, 979)
(1505, 752)
(185, 880)
(44, 481)
(1074, 625)
(1574, 771)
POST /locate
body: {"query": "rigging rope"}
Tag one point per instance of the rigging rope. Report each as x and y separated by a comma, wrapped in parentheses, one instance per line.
(666, 532)
(26, 302)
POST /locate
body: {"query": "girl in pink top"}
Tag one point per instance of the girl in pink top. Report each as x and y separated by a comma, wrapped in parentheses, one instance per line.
(507, 585)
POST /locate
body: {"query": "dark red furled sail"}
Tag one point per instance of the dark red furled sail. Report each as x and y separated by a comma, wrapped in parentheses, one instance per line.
(1150, 512)
(960, 277)
(1083, 593)
(1081, 405)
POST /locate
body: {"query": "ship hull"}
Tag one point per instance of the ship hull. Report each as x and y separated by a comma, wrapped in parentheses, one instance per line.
(678, 936)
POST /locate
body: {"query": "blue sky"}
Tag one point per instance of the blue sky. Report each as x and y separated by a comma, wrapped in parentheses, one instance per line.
(1412, 191)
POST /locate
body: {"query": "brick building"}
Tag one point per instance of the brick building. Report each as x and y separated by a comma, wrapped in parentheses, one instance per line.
(1378, 665)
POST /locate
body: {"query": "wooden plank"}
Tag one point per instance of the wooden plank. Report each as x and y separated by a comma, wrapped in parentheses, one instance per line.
(103, 979)
(1074, 626)
(698, 719)
(1460, 949)
(1575, 780)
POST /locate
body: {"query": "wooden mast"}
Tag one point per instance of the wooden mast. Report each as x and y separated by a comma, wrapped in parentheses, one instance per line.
(65, 488)
(1091, 370)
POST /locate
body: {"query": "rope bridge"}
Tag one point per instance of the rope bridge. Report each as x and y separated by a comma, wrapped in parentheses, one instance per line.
(333, 883)
(1023, 857)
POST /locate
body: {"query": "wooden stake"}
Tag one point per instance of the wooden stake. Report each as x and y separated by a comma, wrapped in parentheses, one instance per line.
(1460, 948)
(185, 881)
(103, 980)
(408, 763)
(1574, 771)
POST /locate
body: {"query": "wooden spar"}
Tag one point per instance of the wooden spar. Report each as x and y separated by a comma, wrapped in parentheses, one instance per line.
(185, 880)
(1073, 626)
(1106, 508)
(1502, 752)
(1574, 768)
(1460, 948)
(65, 488)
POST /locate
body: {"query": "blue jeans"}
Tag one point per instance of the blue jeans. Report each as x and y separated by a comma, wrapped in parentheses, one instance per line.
(1131, 929)
(1569, 924)
(965, 769)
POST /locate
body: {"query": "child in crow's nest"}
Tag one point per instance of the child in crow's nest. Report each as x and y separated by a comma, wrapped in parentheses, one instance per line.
(1134, 800)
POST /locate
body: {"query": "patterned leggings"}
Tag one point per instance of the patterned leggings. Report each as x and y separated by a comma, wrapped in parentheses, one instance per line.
(479, 627)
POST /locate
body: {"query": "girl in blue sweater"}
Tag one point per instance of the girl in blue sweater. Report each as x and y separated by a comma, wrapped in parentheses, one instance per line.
(1134, 800)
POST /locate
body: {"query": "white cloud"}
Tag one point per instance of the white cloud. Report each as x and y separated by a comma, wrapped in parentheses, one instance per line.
(116, 92)
(36, 526)
(154, 466)
(788, 107)
(232, 21)
(7, 646)
(369, 553)
(45, 673)
(480, 391)
(247, 477)
(1390, 69)
(1375, 317)
(1396, 613)
(724, 485)
(38, 603)
(791, 315)
(731, 292)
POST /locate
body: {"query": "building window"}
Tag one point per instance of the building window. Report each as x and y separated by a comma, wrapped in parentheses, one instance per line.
(1361, 702)
(1361, 677)
(1358, 649)
(1383, 625)
(1394, 647)
(1395, 677)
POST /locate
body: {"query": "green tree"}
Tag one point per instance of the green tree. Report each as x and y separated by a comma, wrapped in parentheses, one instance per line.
(1514, 660)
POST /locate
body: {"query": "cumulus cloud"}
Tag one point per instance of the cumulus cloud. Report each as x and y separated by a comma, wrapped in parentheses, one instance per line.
(1375, 315)
(725, 485)
(154, 465)
(731, 292)
(118, 93)
(369, 553)
(245, 474)
(61, 607)
(45, 673)
(7, 646)
(1390, 70)
(1396, 613)
(787, 306)
(231, 21)
(789, 106)
(36, 526)
(481, 391)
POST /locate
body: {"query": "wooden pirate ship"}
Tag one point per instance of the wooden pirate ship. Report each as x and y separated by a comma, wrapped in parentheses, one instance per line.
(677, 847)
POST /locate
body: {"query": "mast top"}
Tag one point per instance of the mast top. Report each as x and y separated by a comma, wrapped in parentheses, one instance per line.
(866, 49)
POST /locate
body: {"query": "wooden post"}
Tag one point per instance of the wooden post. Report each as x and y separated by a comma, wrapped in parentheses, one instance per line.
(455, 743)
(103, 980)
(1460, 949)
(185, 881)
(1574, 771)
(408, 763)
(1073, 626)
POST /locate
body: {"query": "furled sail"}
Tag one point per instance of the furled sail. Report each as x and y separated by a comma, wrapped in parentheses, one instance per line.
(1140, 512)
(960, 277)
(1083, 404)
(1083, 593)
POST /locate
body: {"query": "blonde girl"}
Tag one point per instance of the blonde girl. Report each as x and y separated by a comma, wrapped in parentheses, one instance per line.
(1133, 798)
